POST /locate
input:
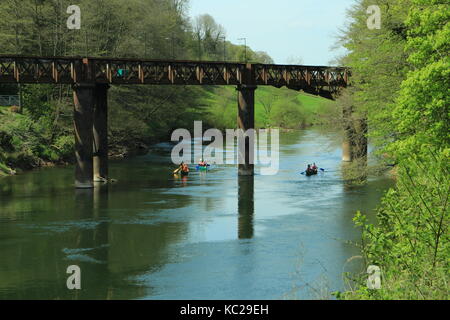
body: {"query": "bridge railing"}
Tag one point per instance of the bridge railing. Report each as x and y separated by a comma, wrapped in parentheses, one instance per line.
(300, 76)
(165, 72)
(8, 100)
(37, 70)
(69, 70)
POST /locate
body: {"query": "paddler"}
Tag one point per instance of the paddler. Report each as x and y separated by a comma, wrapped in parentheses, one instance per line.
(183, 168)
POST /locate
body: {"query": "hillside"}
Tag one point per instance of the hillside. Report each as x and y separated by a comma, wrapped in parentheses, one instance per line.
(274, 107)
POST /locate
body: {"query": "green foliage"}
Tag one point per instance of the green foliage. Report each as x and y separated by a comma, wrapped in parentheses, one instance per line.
(411, 241)
(378, 62)
(64, 146)
(401, 81)
(288, 115)
(37, 100)
(26, 143)
(422, 109)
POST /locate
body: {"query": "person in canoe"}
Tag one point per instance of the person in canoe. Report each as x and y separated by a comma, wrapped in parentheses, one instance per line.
(183, 169)
(202, 163)
(311, 170)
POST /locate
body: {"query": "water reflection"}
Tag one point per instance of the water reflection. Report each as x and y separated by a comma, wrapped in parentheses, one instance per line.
(183, 179)
(90, 250)
(151, 235)
(100, 240)
(246, 207)
(354, 173)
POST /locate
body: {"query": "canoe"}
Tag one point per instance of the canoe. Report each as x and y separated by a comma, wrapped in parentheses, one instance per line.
(202, 168)
(311, 172)
(184, 173)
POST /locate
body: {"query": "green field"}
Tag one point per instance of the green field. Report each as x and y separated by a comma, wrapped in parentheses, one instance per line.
(273, 108)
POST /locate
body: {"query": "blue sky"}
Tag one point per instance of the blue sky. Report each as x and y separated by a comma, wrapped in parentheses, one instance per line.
(285, 29)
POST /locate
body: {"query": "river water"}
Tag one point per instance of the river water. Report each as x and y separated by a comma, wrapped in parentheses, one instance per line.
(211, 235)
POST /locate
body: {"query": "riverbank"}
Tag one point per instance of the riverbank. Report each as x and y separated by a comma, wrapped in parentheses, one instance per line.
(28, 143)
(37, 139)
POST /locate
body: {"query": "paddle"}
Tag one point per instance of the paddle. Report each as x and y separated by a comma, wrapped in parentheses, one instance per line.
(177, 170)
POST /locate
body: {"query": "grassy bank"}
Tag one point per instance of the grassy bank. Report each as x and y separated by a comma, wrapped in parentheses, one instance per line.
(283, 108)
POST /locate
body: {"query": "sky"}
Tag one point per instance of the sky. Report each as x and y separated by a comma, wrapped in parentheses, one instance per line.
(286, 29)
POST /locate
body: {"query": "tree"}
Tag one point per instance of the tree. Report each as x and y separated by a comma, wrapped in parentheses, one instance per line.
(378, 60)
(296, 60)
(263, 57)
(422, 110)
(400, 78)
(267, 102)
(208, 34)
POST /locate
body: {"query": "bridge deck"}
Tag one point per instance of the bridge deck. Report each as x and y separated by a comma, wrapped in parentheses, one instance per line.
(70, 70)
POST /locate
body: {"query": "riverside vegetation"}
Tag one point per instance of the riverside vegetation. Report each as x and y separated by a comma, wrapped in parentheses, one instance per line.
(401, 76)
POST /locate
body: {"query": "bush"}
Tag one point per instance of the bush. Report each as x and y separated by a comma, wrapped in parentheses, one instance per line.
(6, 142)
(26, 142)
(65, 146)
(22, 159)
(411, 242)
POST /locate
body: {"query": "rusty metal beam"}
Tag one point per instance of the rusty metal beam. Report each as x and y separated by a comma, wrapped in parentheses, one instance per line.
(320, 80)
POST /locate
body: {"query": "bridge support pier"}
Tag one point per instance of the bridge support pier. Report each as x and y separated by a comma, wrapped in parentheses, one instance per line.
(361, 145)
(83, 95)
(349, 135)
(246, 121)
(100, 133)
(355, 144)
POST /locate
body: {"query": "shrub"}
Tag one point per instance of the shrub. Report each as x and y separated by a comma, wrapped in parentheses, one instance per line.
(411, 242)
(65, 146)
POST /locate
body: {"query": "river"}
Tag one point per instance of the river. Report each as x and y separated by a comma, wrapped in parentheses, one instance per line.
(208, 236)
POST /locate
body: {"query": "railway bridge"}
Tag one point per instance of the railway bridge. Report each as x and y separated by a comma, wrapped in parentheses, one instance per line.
(91, 78)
